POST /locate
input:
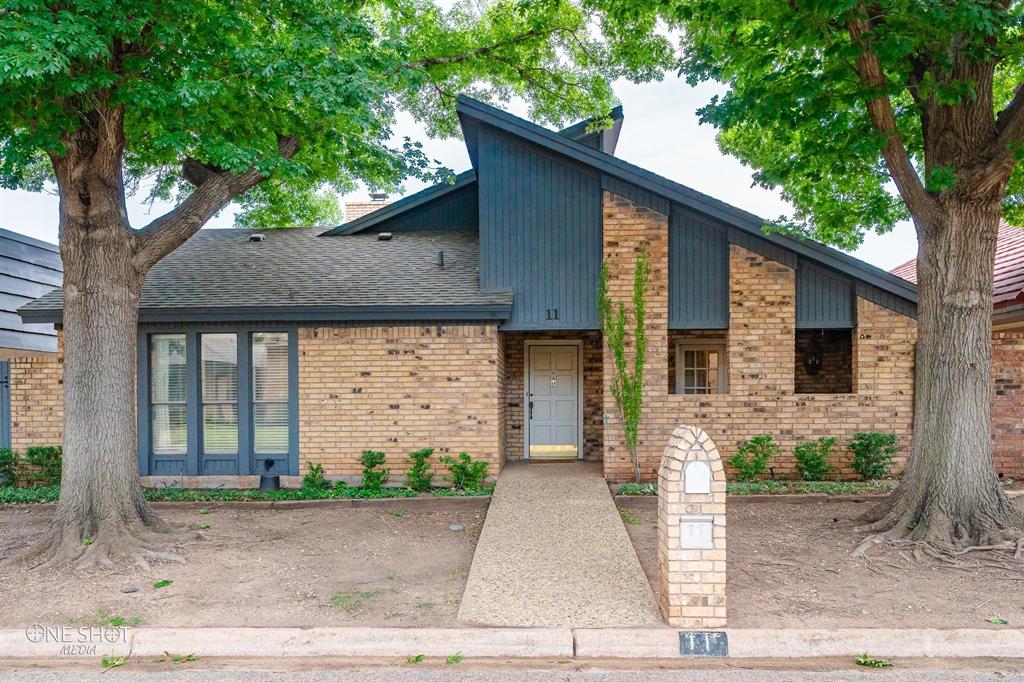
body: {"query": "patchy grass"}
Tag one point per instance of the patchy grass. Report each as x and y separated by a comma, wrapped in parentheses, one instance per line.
(352, 600)
(44, 494)
(104, 617)
(770, 487)
(629, 517)
(869, 662)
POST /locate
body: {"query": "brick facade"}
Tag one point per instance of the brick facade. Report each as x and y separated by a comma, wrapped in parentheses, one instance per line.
(399, 389)
(1008, 402)
(37, 400)
(761, 395)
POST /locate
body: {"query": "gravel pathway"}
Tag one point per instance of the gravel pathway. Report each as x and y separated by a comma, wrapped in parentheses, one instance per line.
(553, 552)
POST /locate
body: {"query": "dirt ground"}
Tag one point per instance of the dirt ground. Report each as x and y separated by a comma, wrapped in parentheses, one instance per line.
(790, 565)
(304, 567)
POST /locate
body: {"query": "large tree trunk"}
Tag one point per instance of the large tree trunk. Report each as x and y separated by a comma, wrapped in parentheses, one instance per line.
(101, 516)
(949, 496)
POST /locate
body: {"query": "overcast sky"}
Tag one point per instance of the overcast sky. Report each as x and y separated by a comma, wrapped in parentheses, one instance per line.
(660, 133)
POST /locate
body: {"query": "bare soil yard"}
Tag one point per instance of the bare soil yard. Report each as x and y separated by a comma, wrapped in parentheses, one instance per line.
(790, 565)
(270, 567)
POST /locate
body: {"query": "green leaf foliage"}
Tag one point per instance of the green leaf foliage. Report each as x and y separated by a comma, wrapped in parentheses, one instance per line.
(793, 105)
(752, 457)
(812, 458)
(465, 473)
(873, 453)
(374, 473)
(627, 381)
(219, 81)
(419, 476)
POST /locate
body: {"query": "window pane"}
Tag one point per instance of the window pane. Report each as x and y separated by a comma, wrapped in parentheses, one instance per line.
(167, 373)
(219, 356)
(168, 390)
(270, 425)
(220, 428)
(270, 366)
(220, 368)
(170, 436)
(270, 392)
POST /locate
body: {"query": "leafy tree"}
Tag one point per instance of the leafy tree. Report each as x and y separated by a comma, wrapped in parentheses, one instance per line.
(627, 383)
(277, 105)
(866, 114)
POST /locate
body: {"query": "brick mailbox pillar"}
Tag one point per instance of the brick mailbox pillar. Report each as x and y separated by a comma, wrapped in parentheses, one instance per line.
(691, 531)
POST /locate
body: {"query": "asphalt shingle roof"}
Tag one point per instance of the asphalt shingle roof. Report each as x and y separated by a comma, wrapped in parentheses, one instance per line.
(299, 273)
(1008, 278)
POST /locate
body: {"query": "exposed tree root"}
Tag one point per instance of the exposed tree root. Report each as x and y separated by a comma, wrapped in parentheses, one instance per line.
(115, 541)
(989, 525)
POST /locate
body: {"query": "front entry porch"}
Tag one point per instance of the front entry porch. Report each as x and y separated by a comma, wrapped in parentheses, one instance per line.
(553, 396)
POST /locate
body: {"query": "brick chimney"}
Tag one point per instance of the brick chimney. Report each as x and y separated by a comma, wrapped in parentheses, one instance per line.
(357, 209)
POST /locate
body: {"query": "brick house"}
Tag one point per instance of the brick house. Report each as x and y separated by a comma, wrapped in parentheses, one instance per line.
(1007, 348)
(463, 318)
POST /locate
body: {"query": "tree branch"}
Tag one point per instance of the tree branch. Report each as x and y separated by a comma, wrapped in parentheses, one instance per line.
(1009, 132)
(215, 190)
(883, 118)
(481, 51)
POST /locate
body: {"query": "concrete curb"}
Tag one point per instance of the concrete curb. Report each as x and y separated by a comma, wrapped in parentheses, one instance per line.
(302, 642)
(561, 643)
(809, 643)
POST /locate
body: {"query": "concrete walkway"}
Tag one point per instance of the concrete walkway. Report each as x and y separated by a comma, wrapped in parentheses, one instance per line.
(554, 553)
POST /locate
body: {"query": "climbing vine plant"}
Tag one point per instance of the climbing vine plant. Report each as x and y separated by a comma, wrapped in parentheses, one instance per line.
(627, 384)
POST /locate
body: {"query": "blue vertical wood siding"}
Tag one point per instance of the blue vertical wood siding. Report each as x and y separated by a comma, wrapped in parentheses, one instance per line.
(456, 210)
(824, 298)
(540, 233)
(28, 269)
(698, 272)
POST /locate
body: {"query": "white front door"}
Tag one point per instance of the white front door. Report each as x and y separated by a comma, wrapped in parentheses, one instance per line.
(553, 402)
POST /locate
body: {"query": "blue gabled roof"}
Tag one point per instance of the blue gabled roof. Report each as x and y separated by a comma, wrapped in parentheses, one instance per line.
(402, 205)
(472, 113)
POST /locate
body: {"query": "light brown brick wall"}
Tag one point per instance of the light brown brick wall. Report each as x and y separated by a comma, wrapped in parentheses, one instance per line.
(37, 400)
(1008, 402)
(399, 389)
(515, 376)
(761, 342)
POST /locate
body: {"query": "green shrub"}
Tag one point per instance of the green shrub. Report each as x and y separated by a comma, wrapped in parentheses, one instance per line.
(42, 464)
(8, 466)
(812, 458)
(314, 478)
(374, 478)
(466, 473)
(638, 489)
(751, 460)
(873, 453)
(419, 477)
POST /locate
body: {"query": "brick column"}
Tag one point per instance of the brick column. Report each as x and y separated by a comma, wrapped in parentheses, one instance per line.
(691, 531)
(628, 227)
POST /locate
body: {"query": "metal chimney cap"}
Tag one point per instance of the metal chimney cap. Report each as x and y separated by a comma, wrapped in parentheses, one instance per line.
(378, 196)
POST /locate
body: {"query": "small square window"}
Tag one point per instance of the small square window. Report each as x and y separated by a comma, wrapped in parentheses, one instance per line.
(700, 367)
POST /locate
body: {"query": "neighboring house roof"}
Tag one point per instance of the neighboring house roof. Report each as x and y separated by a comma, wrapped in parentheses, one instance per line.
(29, 268)
(220, 275)
(1008, 278)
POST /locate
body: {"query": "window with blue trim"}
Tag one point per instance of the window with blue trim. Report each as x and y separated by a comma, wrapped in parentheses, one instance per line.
(219, 402)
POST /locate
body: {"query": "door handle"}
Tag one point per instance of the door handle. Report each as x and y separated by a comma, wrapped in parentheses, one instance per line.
(531, 409)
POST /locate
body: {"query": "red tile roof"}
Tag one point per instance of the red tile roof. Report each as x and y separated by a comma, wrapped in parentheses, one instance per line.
(1008, 280)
